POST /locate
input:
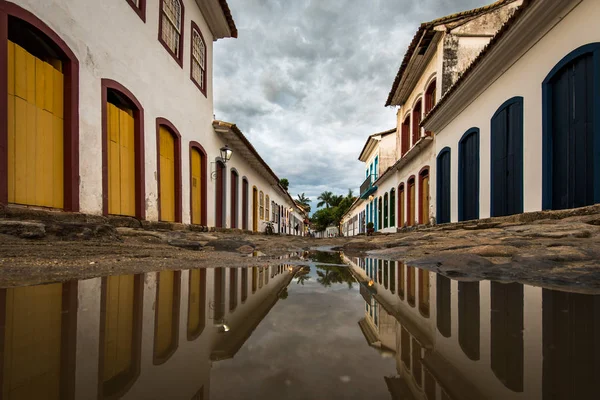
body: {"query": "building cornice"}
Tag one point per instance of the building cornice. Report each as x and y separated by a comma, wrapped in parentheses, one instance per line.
(218, 17)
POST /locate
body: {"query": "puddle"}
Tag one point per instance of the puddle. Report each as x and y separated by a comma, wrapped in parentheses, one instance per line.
(336, 328)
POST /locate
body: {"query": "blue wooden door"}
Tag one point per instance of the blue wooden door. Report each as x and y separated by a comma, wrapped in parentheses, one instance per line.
(507, 159)
(443, 187)
(468, 176)
(572, 103)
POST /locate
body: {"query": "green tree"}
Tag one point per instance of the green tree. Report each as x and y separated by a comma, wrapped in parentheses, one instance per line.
(336, 200)
(326, 198)
(284, 183)
(303, 201)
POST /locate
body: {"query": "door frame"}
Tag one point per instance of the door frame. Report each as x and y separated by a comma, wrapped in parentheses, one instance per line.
(547, 161)
(139, 156)
(517, 100)
(71, 104)
(203, 182)
(439, 182)
(461, 178)
(223, 194)
(178, 184)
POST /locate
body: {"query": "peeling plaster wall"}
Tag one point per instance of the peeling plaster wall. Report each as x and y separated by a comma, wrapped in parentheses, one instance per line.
(464, 42)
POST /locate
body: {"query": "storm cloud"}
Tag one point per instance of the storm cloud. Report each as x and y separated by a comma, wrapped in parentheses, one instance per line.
(307, 80)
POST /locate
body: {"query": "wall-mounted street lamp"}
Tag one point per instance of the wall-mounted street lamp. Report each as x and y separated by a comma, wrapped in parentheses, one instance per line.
(226, 154)
(371, 198)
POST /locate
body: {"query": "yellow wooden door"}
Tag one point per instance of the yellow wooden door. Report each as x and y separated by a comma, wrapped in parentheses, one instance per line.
(121, 161)
(196, 187)
(425, 197)
(165, 334)
(32, 342)
(35, 130)
(167, 175)
(119, 325)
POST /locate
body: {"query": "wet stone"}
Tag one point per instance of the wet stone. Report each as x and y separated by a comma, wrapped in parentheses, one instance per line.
(229, 244)
(185, 244)
(23, 229)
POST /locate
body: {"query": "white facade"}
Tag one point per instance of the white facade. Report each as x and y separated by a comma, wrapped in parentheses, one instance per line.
(517, 66)
(441, 50)
(111, 40)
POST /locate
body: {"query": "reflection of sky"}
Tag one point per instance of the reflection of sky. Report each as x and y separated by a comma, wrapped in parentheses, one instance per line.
(308, 347)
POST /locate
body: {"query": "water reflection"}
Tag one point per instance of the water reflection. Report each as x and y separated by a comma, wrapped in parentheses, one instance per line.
(479, 340)
(148, 336)
(165, 335)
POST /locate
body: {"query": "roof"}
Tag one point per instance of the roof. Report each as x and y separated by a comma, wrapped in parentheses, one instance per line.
(480, 57)
(428, 27)
(371, 140)
(231, 131)
(229, 18)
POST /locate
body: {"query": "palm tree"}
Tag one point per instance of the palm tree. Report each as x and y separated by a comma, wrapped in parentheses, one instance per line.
(326, 198)
(303, 201)
(336, 200)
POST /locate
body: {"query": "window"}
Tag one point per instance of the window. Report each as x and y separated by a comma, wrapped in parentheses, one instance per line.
(198, 59)
(273, 211)
(416, 120)
(262, 205)
(139, 6)
(430, 97)
(405, 139)
(170, 28)
(267, 203)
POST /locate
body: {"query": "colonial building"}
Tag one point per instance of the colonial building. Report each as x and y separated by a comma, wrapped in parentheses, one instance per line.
(519, 130)
(109, 110)
(399, 163)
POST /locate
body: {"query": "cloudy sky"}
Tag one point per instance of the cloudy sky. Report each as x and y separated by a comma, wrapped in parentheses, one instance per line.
(307, 80)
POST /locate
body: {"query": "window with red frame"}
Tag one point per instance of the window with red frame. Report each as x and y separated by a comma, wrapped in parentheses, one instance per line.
(198, 69)
(139, 6)
(171, 27)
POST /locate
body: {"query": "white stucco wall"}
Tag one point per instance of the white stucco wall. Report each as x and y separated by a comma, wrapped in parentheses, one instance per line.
(111, 41)
(523, 78)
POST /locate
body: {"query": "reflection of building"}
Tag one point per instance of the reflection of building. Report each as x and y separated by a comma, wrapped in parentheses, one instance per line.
(135, 336)
(480, 340)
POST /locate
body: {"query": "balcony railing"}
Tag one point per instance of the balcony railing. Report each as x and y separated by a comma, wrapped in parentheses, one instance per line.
(367, 186)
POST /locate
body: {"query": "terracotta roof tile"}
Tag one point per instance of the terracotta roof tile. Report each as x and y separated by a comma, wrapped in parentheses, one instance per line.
(230, 21)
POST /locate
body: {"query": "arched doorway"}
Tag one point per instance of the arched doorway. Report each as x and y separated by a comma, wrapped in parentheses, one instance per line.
(411, 201)
(254, 209)
(401, 221)
(234, 198)
(468, 176)
(220, 195)
(168, 142)
(571, 132)
(424, 196)
(507, 159)
(40, 141)
(198, 184)
(443, 189)
(245, 204)
(122, 152)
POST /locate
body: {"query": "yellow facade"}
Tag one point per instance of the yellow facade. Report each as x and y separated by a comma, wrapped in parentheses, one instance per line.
(32, 342)
(119, 325)
(121, 161)
(167, 175)
(196, 187)
(165, 335)
(35, 130)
